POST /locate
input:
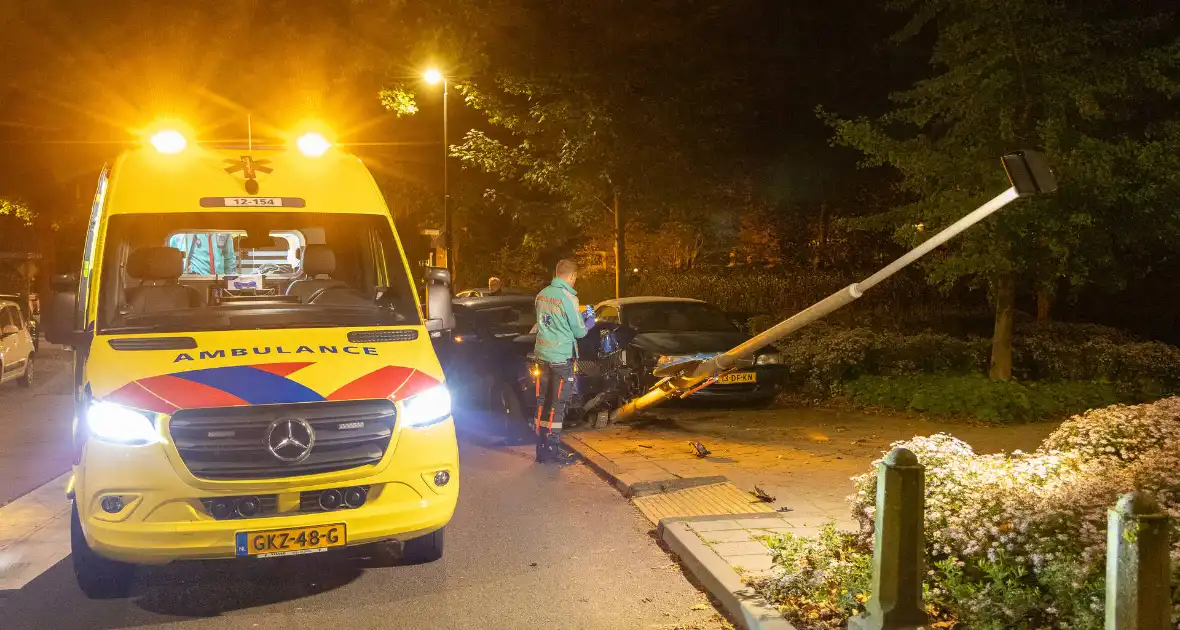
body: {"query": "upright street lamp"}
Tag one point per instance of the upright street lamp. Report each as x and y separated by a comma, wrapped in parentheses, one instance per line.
(433, 76)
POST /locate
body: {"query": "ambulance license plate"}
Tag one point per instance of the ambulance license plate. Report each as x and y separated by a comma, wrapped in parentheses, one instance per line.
(290, 542)
(734, 378)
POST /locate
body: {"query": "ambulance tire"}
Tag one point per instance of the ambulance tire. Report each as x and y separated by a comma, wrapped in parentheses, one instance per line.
(98, 577)
(424, 549)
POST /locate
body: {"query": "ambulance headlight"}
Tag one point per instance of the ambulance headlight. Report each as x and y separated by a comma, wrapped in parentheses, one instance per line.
(110, 422)
(312, 144)
(169, 141)
(429, 407)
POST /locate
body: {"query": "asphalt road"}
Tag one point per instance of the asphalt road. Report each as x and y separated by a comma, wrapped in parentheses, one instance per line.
(530, 547)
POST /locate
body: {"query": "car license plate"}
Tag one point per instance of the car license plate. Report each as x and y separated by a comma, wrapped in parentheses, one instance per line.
(290, 542)
(734, 378)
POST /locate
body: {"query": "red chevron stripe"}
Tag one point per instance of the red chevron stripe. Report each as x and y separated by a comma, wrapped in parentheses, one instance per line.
(416, 384)
(136, 396)
(282, 369)
(188, 394)
(381, 383)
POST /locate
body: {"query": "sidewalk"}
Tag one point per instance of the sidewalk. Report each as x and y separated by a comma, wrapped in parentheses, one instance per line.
(705, 508)
(802, 457)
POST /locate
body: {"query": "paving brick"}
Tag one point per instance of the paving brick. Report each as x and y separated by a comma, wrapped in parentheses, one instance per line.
(762, 523)
(739, 548)
(714, 526)
(727, 536)
(782, 530)
(751, 562)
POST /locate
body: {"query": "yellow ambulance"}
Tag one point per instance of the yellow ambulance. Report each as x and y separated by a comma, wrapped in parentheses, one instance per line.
(254, 376)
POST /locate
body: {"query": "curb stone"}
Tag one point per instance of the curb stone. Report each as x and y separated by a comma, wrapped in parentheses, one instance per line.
(628, 485)
(749, 610)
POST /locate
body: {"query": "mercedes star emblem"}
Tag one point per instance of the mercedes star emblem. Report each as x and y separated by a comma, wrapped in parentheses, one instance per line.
(290, 439)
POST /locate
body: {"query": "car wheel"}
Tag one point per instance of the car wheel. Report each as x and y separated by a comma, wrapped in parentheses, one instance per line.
(506, 402)
(98, 577)
(26, 380)
(424, 549)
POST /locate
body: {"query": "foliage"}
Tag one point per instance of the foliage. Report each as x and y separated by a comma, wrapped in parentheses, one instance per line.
(676, 244)
(398, 99)
(825, 580)
(974, 396)
(775, 295)
(1063, 368)
(1090, 82)
(820, 358)
(16, 210)
(520, 266)
(1014, 540)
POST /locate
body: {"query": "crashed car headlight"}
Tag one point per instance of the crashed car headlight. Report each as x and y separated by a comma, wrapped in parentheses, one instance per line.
(427, 408)
(666, 359)
(770, 358)
(117, 424)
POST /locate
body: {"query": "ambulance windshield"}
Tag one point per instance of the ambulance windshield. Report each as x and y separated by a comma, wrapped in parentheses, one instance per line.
(240, 270)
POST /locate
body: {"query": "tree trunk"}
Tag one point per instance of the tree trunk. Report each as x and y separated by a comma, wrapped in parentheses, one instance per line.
(818, 253)
(1044, 303)
(620, 251)
(1005, 296)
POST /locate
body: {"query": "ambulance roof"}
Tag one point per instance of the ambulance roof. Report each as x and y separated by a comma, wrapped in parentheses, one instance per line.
(144, 181)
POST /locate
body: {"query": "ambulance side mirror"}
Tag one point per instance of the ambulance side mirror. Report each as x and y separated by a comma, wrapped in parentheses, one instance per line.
(440, 317)
(63, 304)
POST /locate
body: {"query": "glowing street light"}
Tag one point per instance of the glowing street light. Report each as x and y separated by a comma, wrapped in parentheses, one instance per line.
(432, 76)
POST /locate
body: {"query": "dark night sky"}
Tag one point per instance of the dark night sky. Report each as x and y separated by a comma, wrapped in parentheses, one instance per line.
(82, 77)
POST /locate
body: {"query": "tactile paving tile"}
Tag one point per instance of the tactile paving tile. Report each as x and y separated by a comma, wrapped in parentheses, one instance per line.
(718, 498)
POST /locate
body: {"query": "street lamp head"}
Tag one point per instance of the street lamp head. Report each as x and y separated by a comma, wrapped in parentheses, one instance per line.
(432, 76)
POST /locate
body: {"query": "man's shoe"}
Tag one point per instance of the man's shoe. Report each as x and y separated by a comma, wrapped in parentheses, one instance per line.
(557, 453)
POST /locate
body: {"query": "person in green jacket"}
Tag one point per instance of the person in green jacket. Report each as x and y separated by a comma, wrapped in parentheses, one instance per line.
(207, 254)
(559, 326)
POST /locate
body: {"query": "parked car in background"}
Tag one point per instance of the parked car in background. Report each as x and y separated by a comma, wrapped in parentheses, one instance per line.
(486, 292)
(481, 354)
(30, 310)
(669, 330)
(16, 345)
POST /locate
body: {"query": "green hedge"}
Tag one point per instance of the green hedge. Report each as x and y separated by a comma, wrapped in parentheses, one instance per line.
(820, 357)
(974, 396)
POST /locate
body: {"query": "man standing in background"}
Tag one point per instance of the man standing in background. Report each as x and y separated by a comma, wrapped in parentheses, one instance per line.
(559, 327)
(494, 286)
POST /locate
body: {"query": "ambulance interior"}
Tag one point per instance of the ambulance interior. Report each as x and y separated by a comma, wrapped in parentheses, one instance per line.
(223, 271)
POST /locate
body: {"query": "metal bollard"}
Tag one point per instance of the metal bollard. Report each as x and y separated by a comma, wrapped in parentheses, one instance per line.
(1138, 575)
(895, 602)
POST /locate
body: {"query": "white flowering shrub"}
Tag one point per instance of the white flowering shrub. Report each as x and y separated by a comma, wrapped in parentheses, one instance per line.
(1120, 431)
(1019, 540)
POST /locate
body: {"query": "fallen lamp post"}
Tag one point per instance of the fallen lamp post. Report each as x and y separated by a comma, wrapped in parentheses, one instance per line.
(1028, 175)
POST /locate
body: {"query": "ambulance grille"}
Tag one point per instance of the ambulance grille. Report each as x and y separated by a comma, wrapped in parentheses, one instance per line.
(232, 442)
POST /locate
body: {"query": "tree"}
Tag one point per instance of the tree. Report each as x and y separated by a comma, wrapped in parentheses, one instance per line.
(1091, 82)
(16, 210)
(572, 118)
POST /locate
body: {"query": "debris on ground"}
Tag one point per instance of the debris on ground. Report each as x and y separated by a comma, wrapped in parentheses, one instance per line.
(700, 449)
(762, 495)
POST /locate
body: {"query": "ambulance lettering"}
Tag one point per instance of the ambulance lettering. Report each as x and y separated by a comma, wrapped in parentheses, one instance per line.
(204, 355)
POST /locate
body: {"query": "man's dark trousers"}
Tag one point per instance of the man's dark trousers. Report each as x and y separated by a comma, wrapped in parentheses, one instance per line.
(555, 387)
